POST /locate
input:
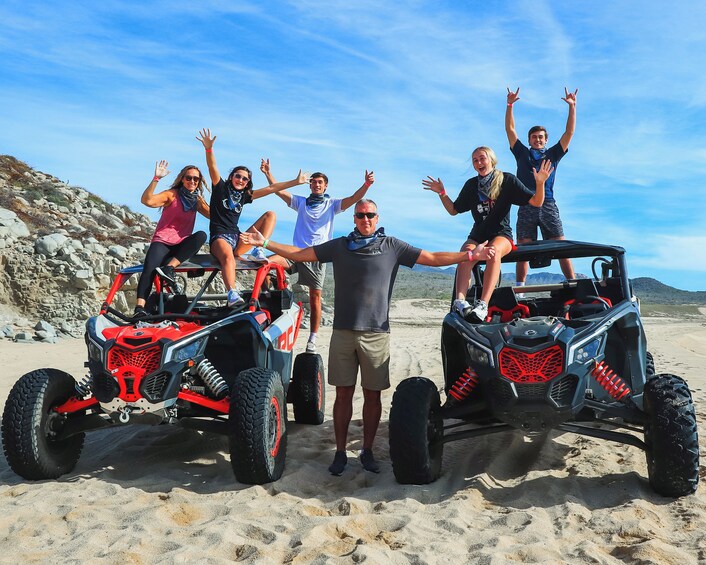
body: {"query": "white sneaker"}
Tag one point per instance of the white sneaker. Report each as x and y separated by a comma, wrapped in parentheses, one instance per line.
(460, 306)
(257, 255)
(310, 347)
(479, 312)
(234, 298)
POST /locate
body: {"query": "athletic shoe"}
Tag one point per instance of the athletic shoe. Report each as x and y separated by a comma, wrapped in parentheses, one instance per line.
(340, 460)
(139, 312)
(169, 278)
(479, 312)
(257, 255)
(310, 347)
(234, 298)
(461, 307)
(368, 461)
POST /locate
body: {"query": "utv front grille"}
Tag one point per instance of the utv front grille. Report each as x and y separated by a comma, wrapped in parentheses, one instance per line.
(147, 360)
(539, 367)
(531, 391)
(105, 387)
(563, 390)
(153, 386)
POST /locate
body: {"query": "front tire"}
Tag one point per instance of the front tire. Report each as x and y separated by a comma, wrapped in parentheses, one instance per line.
(306, 390)
(257, 426)
(416, 432)
(671, 436)
(30, 426)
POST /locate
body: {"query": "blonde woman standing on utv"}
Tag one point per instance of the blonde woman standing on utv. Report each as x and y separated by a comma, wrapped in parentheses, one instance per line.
(489, 197)
(173, 241)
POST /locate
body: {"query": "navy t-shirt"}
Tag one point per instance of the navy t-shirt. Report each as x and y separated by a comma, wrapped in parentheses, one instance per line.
(363, 280)
(525, 164)
(492, 218)
(226, 206)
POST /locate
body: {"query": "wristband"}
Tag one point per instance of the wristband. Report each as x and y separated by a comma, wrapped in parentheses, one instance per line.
(510, 105)
(470, 255)
(209, 150)
(264, 243)
(155, 178)
(442, 193)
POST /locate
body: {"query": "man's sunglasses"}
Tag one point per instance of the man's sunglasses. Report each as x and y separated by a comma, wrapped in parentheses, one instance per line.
(369, 215)
(189, 178)
(241, 177)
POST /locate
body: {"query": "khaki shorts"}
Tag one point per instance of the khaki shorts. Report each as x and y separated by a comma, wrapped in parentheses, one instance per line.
(352, 349)
(311, 274)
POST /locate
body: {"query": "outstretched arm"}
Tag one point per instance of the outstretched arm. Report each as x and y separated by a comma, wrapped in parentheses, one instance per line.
(570, 99)
(512, 97)
(208, 141)
(203, 207)
(287, 251)
(540, 177)
(276, 187)
(360, 193)
(482, 252)
(435, 185)
(283, 194)
(149, 198)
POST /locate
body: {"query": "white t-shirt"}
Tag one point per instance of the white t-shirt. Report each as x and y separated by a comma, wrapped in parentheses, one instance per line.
(314, 224)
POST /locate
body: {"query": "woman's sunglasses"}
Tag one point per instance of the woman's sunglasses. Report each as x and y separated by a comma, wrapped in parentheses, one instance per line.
(189, 178)
(369, 215)
(241, 177)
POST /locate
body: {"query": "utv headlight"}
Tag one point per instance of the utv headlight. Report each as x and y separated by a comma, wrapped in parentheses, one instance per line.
(95, 353)
(479, 355)
(586, 352)
(185, 352)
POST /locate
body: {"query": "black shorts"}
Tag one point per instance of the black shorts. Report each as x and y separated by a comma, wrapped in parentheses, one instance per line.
(546, 218)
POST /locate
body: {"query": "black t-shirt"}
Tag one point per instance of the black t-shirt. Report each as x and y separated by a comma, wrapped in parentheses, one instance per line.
(492, 218)
(226, 206)
(526, 163)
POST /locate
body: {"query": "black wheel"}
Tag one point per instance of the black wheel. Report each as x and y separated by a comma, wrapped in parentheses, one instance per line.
(416, 432)
(30, 426)
(649, 366)
(671, 436)
(257, 426)
(306, 391)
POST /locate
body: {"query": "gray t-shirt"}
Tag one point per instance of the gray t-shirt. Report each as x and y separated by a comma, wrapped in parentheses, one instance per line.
(363, 280)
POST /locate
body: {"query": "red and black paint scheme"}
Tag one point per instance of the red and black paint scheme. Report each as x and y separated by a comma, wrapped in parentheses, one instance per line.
(570, 356)
(193, 362)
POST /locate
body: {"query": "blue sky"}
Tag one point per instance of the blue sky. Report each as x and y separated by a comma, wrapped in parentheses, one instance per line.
(95, 93)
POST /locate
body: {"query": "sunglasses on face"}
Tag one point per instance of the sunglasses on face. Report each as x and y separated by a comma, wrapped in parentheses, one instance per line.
(189, 178)
(369, 215)
(241, 177)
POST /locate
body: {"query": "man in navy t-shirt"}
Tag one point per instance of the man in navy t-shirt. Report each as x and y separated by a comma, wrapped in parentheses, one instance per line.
(546, 218)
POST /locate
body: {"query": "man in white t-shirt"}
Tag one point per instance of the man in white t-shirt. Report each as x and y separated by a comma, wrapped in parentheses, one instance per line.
(314, 226)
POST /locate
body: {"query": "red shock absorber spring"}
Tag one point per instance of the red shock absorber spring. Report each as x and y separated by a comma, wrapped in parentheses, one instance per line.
(464, 385)
(610, 381)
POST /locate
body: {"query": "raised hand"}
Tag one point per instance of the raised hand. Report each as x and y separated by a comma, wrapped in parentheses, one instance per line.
(265, 167)
(369, 178)
(204, 137)
(161, 169)
(544, 171)
(512, 97)
(435, 185)
(302, 177)
(570, 97)
(483, 252)
(253, 237)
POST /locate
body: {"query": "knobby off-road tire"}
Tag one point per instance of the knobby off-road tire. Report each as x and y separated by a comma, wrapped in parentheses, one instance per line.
(306, 391)
(416, 431)
(29, 426)
(671, 436)
(650, 366)
(257, 426)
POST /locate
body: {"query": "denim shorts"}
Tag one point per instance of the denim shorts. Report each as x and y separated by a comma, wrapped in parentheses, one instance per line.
(230, 238)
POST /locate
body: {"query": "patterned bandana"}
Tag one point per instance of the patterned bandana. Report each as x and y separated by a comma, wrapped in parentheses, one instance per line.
(315, 200)
(484, 185)
(537, 154)
(189, 199)
(356, 240)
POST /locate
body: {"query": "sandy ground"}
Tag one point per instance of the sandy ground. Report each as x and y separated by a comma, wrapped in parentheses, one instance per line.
(167, 495)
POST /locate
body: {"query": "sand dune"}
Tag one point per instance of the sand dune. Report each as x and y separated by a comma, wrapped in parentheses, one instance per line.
(164, 494)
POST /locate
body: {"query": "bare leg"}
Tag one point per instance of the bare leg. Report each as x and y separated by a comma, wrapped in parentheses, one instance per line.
(315, 307)
(463, 272)
(521, 267)
(223, 252)
(566, 266)
(342, 413)
(372, 410)
(492, 267)
(265, 224)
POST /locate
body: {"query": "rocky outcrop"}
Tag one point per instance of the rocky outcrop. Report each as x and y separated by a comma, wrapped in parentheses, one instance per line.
(60, 248)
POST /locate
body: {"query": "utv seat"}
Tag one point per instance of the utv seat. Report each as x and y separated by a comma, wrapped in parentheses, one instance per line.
(503, 306)
(586, 301)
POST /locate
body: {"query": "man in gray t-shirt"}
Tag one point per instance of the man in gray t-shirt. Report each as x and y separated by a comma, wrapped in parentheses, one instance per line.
(365, 265)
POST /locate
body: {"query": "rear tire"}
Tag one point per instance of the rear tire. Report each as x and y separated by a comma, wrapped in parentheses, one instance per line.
(649, 366)
(416, 432)
(671, 436)
(306, 390)
(257, 425)
(29, 426)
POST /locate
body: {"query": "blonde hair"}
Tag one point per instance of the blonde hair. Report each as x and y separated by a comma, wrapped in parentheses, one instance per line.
(496, 185)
